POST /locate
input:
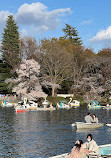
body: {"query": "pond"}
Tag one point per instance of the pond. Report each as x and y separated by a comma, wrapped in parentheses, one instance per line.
(42, 134)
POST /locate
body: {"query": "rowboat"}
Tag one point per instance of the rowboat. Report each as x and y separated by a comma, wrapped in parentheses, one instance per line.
(104, 152)
(82, 125)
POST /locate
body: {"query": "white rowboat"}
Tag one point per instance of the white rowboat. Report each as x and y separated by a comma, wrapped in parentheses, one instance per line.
(82, 125)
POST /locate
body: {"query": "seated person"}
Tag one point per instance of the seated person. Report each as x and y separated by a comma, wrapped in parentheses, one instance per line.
(88, 118)
(95, 119)
(78, 151)
(91, 145)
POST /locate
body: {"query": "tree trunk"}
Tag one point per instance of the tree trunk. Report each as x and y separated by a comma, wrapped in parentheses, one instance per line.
(53, 90)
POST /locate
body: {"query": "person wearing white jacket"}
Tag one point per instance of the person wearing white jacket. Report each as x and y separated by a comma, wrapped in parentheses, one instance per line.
(91, 145)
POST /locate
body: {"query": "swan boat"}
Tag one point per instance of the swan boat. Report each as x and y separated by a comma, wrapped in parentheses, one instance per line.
(94, 105)
(6, 103)
(104, 152)
(63, 105)
(24, 106)
(21, 107)
(74, 103)
(83, 125)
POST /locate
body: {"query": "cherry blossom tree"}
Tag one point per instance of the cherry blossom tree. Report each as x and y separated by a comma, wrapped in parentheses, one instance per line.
(27, 82)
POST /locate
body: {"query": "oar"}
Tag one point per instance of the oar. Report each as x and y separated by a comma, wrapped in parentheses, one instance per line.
(108, 124)
(105, 156)
(74, 124)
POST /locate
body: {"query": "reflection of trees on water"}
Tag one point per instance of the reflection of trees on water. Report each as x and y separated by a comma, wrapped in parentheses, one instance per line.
(7, 132)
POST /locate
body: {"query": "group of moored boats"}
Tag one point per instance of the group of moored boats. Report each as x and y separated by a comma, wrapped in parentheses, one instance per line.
(26, 105)
(68, 105)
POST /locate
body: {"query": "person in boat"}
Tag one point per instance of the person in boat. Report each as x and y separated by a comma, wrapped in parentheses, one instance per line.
(50, 105)
(88, 118)
(91, 145)
(95, 119)
(78, 151)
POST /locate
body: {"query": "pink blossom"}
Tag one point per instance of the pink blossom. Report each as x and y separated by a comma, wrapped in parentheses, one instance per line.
(28, 84)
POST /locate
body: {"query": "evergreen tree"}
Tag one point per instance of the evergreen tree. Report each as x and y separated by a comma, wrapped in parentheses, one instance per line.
(10, 43)
(4, 74)
(72, 34)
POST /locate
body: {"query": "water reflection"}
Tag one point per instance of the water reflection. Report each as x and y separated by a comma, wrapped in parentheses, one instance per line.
(7, 132)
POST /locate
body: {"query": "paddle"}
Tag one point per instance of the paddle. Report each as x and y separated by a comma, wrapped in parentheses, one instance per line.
(107, 124)
(105, 156)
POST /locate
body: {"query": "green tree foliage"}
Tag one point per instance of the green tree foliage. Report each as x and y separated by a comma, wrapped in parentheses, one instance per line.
(10, 43)
(72, 34)
(105, 52)
(4, 73)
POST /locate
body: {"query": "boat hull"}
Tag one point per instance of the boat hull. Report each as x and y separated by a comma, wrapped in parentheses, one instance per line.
(21, 110)
(65, 107)
(94, 107)
(105, 149)
(82, 125)
(32, 108)
(45, 109)
(72, 105)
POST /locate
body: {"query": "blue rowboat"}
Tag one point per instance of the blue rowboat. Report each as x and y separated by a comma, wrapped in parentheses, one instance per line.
(104, 151)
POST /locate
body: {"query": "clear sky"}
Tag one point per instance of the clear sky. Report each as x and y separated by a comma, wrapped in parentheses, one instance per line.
(46, 19)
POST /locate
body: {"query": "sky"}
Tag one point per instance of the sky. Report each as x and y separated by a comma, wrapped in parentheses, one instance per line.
(46, 19)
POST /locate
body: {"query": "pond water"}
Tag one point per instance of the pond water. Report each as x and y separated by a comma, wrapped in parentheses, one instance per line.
(46, 133)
